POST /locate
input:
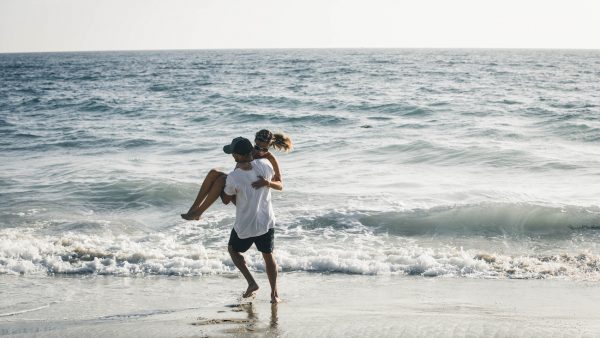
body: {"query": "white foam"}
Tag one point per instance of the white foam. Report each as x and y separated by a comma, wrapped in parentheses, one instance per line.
(24, 311)
(319, 250)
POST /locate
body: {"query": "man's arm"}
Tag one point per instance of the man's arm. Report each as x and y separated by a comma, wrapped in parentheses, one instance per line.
(228, 193)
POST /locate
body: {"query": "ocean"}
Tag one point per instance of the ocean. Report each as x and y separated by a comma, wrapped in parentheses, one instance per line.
(433, 163)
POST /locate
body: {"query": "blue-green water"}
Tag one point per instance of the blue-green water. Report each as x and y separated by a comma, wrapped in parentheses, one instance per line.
(477, 163)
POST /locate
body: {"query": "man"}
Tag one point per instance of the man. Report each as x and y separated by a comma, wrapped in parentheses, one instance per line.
(250, 184)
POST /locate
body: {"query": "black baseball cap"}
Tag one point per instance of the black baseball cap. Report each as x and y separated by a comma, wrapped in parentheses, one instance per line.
(239, 145)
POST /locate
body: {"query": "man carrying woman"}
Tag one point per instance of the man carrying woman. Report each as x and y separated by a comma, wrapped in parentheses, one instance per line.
(254, 217)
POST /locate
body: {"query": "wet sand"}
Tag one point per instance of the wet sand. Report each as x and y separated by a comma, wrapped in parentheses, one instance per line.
(318, 305)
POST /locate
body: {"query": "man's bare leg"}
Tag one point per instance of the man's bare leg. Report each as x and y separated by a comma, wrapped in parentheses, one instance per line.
(271, 267)
(211, 196)
(240, 263)
(207, 184)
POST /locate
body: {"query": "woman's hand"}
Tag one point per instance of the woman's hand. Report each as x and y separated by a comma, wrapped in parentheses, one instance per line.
(260, 183)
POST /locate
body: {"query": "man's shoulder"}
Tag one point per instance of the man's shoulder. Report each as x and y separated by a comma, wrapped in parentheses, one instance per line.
(264, 166)
(234, 174)
(263, 162)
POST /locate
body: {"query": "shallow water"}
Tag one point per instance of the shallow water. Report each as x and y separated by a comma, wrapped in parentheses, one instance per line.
(331, 305)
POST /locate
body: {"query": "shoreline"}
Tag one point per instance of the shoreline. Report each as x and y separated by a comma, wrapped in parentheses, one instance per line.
(313, 305)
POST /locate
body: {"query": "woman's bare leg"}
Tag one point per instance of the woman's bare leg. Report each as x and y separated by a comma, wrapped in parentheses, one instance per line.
(205, 188)
(211, 196)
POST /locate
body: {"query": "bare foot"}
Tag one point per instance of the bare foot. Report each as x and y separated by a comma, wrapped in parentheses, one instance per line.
(190, 216)
(275, 299)
(252, 288)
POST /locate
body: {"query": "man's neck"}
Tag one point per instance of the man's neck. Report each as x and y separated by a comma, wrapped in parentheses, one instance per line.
(244, 165)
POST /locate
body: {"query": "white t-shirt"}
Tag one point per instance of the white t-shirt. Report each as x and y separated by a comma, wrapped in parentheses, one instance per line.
(253, 210)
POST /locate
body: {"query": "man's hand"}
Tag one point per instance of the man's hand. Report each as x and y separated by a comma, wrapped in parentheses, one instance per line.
(226, 199)
(260, 183)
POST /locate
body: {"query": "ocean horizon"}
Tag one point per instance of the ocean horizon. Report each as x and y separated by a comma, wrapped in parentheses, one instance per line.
(237, 49)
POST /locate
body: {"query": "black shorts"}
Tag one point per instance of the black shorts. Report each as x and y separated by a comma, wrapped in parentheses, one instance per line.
(264, 243)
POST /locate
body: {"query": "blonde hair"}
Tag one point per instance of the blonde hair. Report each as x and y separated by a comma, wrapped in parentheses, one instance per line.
(282, 142)
(278, 141)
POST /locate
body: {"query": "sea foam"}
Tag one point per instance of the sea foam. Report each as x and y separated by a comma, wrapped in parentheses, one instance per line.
(454, 163)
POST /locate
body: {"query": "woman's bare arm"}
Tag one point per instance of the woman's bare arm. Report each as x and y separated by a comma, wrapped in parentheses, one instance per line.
(275, 183)
(275, 164)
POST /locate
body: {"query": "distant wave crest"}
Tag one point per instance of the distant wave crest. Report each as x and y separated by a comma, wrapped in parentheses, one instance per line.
(492, 219)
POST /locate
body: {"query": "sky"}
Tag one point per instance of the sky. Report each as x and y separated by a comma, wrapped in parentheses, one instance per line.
(91, 25)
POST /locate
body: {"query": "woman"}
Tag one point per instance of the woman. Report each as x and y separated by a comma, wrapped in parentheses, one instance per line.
(215, 180)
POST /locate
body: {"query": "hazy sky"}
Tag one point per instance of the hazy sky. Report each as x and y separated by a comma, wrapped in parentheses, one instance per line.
(71, 25)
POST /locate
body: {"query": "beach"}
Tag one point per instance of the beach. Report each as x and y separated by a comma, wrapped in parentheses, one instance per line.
(316, 305)
(430, 192)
